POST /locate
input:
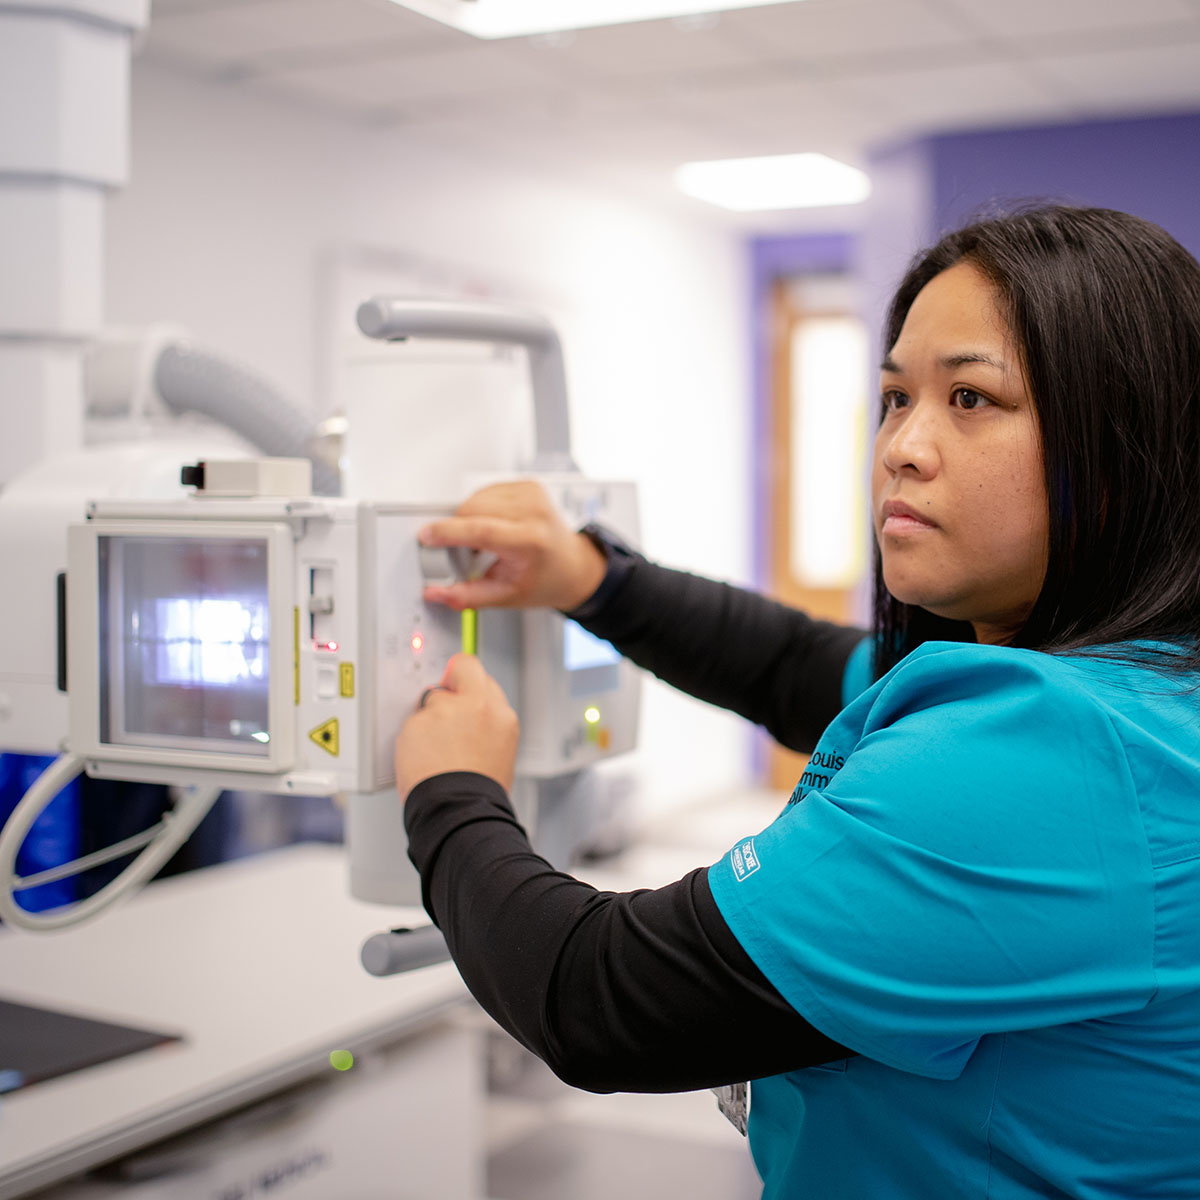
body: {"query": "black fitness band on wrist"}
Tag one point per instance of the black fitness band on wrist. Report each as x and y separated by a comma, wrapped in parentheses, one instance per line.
(619, 560)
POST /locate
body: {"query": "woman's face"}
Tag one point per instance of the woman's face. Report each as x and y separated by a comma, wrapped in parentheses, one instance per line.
(958, 494)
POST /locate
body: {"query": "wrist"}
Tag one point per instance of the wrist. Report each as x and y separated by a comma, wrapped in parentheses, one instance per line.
(589, 566)
(619, 560)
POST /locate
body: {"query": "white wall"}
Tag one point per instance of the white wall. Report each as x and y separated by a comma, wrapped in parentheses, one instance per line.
(237, 203)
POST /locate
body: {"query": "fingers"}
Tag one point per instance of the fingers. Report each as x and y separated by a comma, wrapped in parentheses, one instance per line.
(476, 593)
(465, 723)
(516, 498)
(531, 558)
(464, 674)
(428, 694)
(493, 518)
(479, 533)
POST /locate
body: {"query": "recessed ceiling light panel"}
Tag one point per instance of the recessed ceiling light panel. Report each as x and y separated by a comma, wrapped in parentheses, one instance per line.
(777, 182)
(520, 18)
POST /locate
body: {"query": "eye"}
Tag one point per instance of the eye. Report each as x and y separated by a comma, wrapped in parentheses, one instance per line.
(893, 399)
(969, 400)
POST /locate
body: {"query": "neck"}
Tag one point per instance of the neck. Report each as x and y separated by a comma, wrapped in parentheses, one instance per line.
(987, 634)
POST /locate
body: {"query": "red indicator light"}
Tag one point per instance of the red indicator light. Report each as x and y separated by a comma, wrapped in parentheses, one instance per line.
(326, 645)
(418, 643)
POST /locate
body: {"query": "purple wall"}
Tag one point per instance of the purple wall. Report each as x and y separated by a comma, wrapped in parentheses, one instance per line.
(1148, 166)
(1145, 165)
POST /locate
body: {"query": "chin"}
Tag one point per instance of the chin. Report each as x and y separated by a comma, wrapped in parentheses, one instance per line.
(934, 603)
(907, 589)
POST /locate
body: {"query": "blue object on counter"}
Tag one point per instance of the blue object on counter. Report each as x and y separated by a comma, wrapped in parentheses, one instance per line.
(54, 838)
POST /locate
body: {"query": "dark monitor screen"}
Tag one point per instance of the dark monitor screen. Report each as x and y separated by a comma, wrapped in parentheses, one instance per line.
(39, 1043)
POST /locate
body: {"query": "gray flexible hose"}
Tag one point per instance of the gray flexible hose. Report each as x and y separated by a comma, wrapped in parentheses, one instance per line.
(191, 379)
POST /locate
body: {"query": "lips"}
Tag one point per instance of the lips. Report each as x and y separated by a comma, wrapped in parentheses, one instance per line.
(899, 517)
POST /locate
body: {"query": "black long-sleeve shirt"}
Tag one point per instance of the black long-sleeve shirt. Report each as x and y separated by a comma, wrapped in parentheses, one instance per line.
(647, 990)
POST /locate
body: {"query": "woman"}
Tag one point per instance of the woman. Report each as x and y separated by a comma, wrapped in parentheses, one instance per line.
(965, 960)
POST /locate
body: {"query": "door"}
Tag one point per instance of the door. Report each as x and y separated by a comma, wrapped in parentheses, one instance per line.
(818, 537)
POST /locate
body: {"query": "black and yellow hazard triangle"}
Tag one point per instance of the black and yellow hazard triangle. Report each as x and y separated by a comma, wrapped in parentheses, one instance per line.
(326, 736)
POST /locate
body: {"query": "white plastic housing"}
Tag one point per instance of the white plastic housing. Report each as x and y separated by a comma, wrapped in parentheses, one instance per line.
(64, 141)
(69, 66)
(36, 509)
(40, 406)
(352, 643)
(247, 477)
(52, 232)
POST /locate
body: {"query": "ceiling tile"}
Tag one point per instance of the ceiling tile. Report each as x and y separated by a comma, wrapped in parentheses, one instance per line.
(644, 48)
(631, 102)
(239, 35)
(480, 73)
(614, 100)
(1127, 81)
(663, 144)
(781, 110)
(818, 29)
(717, 97)
(956, 97)
(1032, 18)
(1104, 42)
(648, 130)
(162, 7)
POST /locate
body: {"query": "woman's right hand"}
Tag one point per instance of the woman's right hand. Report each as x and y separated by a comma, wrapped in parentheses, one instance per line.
(539, 561)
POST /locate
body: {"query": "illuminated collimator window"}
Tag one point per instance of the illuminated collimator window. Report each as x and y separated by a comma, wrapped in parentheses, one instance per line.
(828, 450)
(185, 643)
(217, 643)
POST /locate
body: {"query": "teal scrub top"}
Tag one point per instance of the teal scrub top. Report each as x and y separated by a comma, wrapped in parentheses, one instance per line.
(987, 884)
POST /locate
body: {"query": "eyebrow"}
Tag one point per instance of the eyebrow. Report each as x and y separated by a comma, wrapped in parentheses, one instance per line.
(950, 361)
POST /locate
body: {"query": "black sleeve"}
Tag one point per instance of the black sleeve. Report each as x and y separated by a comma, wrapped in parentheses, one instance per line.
(734, 648)
(645, 991)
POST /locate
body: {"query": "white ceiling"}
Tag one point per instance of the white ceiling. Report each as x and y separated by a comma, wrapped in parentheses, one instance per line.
(626, 104)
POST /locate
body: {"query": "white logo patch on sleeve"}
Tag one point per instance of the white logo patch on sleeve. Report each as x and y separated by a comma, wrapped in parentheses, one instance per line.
(744, 858)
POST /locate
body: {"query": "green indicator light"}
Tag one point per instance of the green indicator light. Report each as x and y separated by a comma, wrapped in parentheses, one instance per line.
(341, 1060)
(591, 715)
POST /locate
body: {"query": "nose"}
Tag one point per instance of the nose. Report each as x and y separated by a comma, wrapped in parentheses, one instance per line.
(910, 444)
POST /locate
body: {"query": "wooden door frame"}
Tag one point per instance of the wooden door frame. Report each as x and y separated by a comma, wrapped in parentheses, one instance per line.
(784, 766)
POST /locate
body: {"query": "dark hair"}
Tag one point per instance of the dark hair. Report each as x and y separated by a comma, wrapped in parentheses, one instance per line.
(1105, 308)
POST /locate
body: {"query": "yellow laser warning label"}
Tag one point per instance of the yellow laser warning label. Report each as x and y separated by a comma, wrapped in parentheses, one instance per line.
(346, 675)
(326, 736)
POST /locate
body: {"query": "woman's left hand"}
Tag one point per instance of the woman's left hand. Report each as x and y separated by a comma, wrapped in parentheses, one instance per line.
(465, 724)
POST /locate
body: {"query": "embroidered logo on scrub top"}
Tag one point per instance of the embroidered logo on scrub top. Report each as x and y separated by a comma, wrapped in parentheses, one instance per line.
(745, 859)
(822, 767)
